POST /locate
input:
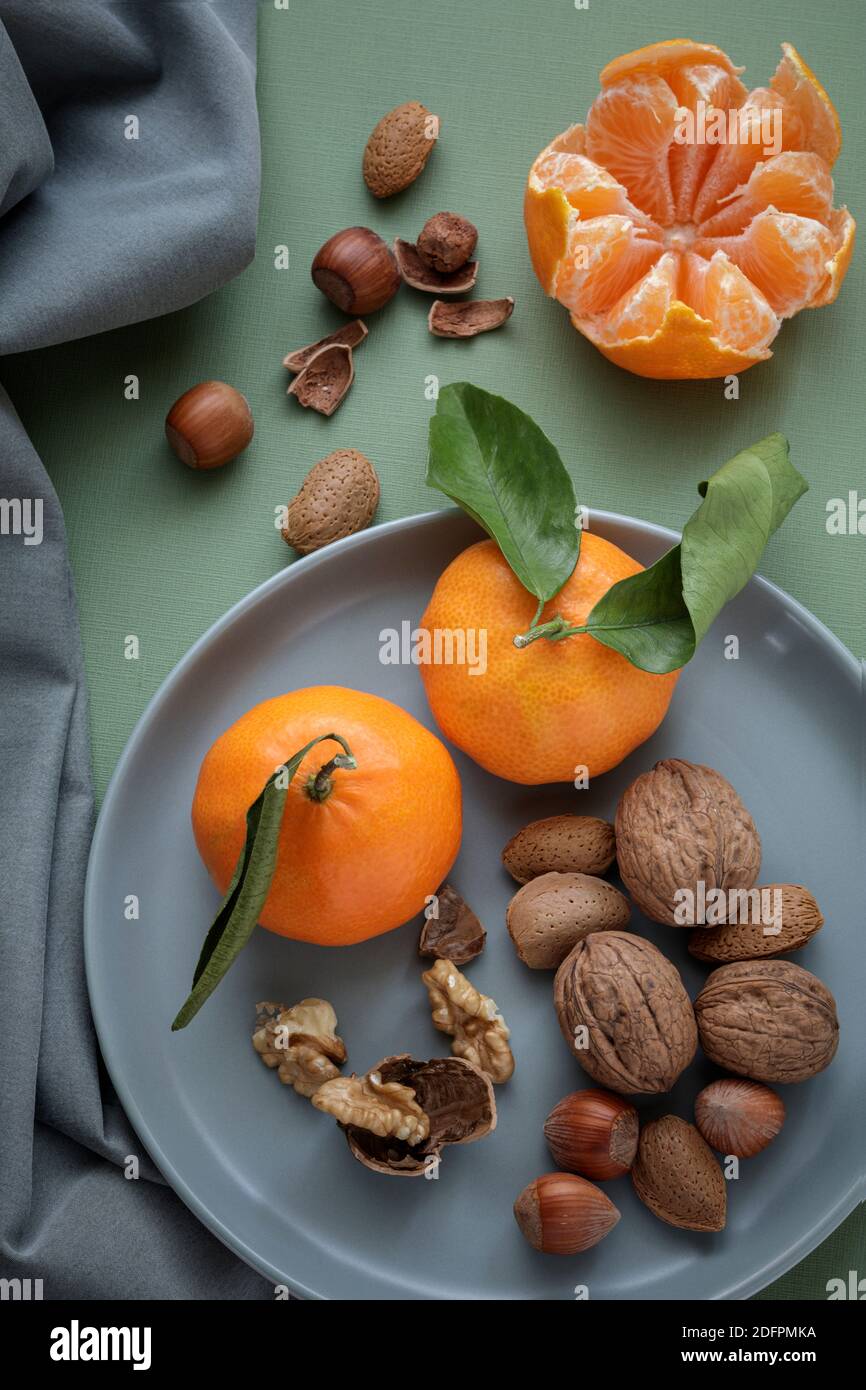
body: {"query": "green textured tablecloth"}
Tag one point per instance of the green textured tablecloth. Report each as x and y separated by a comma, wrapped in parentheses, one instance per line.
(160, 552)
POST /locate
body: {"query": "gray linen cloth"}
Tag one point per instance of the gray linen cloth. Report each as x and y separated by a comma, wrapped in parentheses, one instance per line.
(96, 230)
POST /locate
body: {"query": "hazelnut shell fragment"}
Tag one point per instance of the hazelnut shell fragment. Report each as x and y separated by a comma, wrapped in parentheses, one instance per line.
(748, 940)
(350, 335)
(324, 382)
(398, 148)
(455, 1096)
(678, 1177)
(446, 242)
(549, 915)
(624, 1012)
(209, 425)
(338, 497)
(421, 277)
(560, 844)
(678, 825)
(455, 932)
(468, 317)
(356, 270)
(769, 1020)
(561, 1214)
(739, 1117)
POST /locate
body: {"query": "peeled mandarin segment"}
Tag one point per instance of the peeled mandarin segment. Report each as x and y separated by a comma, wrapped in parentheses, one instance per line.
(683, 349)
(797, 83)
(794, 181)
(719, 291)
(716, 89)
(786, 256)
(641, 311)
(763, 117)
(662, 58)
(843, 229)
(589, 188)
(603, 259)
(629, 131)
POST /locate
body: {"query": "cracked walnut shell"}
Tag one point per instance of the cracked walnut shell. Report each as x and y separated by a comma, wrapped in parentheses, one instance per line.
(677, 826)
(473, 1020)
(624, 1013)
(301, 1042)
(447, 1099)
(769, 1020)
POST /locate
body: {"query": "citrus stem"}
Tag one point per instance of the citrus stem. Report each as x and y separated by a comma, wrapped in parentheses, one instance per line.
(320, 784)
(554, 630)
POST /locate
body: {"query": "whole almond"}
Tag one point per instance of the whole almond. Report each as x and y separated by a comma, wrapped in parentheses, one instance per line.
(560, 844)
(759, 940)
(676, 1175)
(398, 148)
(549, 915)
(339, 496)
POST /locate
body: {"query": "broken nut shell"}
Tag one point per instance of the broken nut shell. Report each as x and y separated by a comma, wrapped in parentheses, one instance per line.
(420, 276)
(338, 497)
(468, 317)
(324, 382)
(453, 932)
(350, 335)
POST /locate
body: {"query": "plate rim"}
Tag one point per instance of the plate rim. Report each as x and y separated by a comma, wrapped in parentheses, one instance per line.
(849, 664)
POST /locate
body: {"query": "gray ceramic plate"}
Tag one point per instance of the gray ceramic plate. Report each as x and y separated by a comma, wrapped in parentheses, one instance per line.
(271, 1176)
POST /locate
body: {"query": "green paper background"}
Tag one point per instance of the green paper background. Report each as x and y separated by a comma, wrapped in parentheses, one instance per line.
(161, 552)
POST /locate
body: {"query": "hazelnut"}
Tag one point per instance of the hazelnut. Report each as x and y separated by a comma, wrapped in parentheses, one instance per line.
(593, 1133)
(562, 1214)
(739, 1117)
(209, 424)
(356, 270)
(447, 242)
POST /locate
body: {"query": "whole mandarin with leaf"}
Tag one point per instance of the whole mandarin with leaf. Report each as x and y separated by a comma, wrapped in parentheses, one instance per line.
(678, 238)
(539, 713)
(360, 849)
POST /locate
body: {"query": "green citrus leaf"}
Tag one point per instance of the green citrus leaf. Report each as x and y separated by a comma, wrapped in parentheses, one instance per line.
(496, 463)
(657, 618)
(239, 911)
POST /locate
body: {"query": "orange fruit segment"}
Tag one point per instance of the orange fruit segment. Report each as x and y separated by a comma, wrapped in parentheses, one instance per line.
(688, 217)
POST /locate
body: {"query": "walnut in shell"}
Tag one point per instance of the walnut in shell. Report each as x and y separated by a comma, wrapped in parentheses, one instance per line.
(338, 497)
(477, 1028)
(436, 1103)
(560, 844)
(769, 1020)
(451, 931)
(624, 1013)
(325, 379)
(677, 1176)
(757, 939)
(398, 148)
(677, 826)
(549, 915)
(301, 1042)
